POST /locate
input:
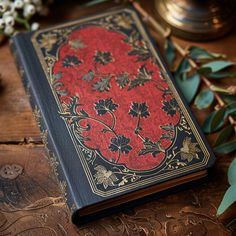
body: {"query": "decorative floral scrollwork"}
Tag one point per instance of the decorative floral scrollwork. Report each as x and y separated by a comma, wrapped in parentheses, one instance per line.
(105, 177)
(106, 104)
(189, 150)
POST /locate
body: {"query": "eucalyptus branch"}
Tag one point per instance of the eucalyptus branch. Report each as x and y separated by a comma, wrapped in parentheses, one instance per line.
(17, 14)
(166, 33)
(24, 22)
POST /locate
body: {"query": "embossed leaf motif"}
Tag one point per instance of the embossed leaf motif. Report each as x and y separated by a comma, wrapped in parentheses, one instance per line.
(139, 47)
(142, 52)
(168, 127)
(120, 143)
(123, 79)
(167, 136)
(139, 109)
(132, 39)
(11, 171)
(104, 176)
(175, 228)
(89, 76)
(75, 44)
(57, 76)
(103, 106)
(103, 57)
(143, 76)
(189, 150)
(102, 85)
(70, 61)
(170, 107)
(151, 147)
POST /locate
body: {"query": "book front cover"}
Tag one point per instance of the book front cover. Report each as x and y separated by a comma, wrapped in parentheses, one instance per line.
(127, 122)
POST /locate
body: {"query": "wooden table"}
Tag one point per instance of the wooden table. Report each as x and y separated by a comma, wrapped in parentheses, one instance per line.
(30, 201)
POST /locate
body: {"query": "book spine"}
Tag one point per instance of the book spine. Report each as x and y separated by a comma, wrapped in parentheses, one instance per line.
(50, 148)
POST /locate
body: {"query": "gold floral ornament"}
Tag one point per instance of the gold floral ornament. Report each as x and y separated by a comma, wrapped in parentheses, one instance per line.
(189, 150)
(76, 44)
(105, 177)
(48, 40)
(123, 21)
(11, 171)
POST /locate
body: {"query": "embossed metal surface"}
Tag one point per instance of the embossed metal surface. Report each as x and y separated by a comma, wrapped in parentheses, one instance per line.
(197, 20)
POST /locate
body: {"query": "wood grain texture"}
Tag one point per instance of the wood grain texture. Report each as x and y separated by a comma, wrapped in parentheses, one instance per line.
(16, 119)
(30, 198)
(31, 204)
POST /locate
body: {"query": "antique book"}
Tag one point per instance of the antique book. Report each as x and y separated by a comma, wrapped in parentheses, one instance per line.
(114, 124)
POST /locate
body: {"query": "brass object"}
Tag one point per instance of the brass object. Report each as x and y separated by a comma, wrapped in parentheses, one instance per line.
(197, 19)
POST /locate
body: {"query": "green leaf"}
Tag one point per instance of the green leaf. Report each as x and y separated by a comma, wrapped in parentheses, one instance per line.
(120, 143)
(226, 148)
(189, 86)
(228, 98)
(217, 119)
(103, 58)
(228, 199)
(170, 107)
(75, 44)
(57, 76)
(204, 99)
(207, 128)
(222, 74)
(89, 76)
(198, 53)
(231, 109)
(143, 76)
(215, 66)
(170, 51)
(139, 109)
(168, 127)
(232, 172)
(104, 106)
(182, 70)
(224, 134)
(62, 92)
(153, 148)
(123, 79)
(102, 85)
(71, 61)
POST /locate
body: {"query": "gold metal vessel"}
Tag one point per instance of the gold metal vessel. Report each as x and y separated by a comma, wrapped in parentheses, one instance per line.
(197, 19)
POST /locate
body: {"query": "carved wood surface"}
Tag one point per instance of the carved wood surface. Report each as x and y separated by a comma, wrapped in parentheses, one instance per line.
(30, 198)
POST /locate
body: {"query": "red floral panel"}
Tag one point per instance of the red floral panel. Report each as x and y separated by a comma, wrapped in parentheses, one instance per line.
(122, 106)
